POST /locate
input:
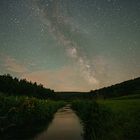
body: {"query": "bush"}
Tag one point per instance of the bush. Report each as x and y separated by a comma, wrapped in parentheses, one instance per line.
(21, 112)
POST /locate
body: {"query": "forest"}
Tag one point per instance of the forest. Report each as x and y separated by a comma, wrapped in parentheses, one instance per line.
(14, 86)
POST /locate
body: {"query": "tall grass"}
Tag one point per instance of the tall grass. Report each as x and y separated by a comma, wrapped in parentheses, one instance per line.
(96, 120)
(127, 117)
(25, 113)
(109, 120)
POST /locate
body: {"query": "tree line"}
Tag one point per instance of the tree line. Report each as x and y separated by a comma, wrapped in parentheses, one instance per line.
(15, 86)
(121, 89)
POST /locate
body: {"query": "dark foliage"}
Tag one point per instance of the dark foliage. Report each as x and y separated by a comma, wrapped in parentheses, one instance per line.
(96, 120)
(14, 86)
(22, 118)
(72, 95)
(121, 89)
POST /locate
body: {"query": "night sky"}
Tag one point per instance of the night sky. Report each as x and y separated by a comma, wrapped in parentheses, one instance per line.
(70, 44)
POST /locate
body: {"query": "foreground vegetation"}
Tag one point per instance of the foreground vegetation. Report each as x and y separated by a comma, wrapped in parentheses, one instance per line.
(127, 117)
(109, 119)
(23, 117)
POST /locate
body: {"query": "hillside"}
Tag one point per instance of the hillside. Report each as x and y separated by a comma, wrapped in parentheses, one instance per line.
(129, 87)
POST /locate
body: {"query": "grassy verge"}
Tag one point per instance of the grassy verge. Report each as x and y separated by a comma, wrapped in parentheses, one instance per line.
(22, 117)
(110, 119)
(96, 119)
(127, 117)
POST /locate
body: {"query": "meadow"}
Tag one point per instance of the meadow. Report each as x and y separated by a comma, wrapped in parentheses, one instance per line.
(111, 119)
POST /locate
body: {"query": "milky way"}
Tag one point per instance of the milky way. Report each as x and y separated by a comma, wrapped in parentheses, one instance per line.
(60, 25)
(70, 45)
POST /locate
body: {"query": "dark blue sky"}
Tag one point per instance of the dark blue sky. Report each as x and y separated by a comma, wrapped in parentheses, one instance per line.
(70, 45)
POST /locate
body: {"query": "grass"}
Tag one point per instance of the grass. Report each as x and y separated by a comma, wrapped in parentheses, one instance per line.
(109, 119)
(24, 114)
(135, 96)
(127, 117)
(112, 119)
(95, 119)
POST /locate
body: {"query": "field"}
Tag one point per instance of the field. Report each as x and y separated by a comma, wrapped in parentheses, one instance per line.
(110, 119)
(23, 117)
(127, 117)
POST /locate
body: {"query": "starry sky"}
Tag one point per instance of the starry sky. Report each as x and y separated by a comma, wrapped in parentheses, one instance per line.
(70, 44)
